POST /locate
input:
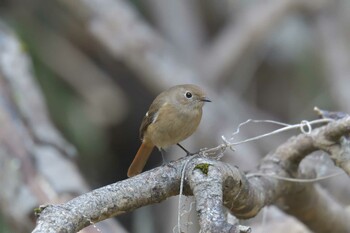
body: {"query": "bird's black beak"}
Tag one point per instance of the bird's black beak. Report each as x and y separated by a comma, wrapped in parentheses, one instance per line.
(205, 99)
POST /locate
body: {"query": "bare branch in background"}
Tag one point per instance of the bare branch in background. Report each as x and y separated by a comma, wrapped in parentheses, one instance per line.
(180, 22)
(105, 101)
(16, 72)
(335, 53)
(244, 34)
(141, 48)
(33, 154)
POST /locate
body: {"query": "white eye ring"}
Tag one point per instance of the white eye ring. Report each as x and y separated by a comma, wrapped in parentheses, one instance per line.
(188, 95)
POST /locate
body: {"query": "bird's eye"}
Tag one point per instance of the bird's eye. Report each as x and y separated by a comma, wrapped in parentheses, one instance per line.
(188, 95)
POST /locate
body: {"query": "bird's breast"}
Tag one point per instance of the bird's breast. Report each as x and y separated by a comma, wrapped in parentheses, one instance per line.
(173, 125)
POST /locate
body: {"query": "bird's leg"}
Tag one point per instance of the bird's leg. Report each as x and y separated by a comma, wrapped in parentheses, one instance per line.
(165, 162)
(162, 152)
(184, 149)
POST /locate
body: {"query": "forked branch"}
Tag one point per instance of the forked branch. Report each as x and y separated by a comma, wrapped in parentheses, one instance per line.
(215, 184)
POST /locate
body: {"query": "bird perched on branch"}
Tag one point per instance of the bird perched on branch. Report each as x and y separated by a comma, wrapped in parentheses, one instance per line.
(173, 116)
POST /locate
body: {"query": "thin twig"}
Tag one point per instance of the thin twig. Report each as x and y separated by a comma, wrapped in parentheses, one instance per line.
(183, 171)
(229, 144)
(295, 179)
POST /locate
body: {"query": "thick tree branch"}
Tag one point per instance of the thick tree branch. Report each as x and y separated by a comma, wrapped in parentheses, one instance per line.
(244, 196)
(313, 206)
(208, 192)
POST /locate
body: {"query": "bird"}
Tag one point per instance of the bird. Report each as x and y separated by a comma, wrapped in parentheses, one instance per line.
(173, 116)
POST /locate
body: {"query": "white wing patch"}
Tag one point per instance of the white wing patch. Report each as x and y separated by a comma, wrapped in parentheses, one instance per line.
(155, 117)
(157, 113)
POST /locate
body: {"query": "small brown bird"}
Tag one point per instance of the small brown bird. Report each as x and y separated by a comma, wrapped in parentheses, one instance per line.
(173, 116)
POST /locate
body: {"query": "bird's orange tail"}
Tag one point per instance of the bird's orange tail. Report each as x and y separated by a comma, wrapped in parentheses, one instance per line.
(140, 159)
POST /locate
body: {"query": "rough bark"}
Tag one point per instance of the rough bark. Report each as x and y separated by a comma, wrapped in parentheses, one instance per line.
(216, 185)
